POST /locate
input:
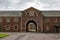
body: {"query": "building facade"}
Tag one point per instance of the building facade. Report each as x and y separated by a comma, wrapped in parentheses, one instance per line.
(30, 20)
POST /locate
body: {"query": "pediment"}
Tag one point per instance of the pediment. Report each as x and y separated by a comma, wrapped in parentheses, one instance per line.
(31, 9)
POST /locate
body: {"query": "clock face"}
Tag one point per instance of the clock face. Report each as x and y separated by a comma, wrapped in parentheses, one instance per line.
(31, 13)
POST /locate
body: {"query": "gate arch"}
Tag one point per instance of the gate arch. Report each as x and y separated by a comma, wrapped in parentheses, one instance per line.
(31, 26)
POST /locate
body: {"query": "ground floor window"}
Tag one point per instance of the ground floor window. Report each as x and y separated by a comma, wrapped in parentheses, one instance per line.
(7, 27)
(15, 27)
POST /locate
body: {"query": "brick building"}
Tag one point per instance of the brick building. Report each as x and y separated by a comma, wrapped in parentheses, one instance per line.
(30, 20)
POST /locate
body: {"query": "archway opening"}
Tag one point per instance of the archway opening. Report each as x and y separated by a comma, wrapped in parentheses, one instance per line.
(31, 26)
(0, 28)
(57, 28)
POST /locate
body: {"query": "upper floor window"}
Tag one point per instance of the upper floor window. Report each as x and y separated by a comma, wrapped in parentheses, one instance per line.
(8, 19)
(0, 19)
(16, 19)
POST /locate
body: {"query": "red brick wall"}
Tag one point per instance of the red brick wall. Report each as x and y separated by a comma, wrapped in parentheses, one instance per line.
(42, 24)
(11, 24)
(51, 23)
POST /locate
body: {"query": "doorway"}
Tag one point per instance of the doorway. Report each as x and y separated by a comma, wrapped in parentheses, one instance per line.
(31, 26)
(57, 29)
(0, 28)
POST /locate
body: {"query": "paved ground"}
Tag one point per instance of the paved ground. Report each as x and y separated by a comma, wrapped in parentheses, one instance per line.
(31, 36)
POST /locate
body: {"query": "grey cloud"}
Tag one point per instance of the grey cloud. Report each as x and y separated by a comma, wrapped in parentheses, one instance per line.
(8, 3)
(25, 1)
(4, 3)
(21, 4)
(51, 3)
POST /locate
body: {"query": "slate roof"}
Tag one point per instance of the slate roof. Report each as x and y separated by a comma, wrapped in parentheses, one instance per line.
(18, 13)
(10, 13)
(51, 13)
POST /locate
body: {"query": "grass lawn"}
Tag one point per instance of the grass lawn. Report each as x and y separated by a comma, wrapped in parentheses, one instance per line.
(3, 35)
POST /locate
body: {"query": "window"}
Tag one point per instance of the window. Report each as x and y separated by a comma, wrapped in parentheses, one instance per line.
(7, 27)
(0, 19)
(8, 19)
(15, 27)
(16, 19)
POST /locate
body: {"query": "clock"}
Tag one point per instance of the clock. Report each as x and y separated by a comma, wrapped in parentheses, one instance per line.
(31, 13)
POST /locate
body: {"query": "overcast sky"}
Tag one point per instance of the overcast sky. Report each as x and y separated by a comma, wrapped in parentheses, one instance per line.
(24, 4)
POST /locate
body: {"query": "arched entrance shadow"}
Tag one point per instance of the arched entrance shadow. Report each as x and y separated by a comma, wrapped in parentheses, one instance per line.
(27, 25)
(57, 27)
(0, 28)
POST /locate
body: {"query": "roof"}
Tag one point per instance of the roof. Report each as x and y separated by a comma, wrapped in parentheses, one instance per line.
(18, 13)
(51, 13)
(10, 13)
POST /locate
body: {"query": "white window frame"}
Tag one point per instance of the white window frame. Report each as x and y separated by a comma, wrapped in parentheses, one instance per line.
(7, 19)
(6, 27)
(16, 19)
(17, 27)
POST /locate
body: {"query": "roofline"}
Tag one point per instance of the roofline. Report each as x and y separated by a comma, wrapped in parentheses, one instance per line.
(37, 9)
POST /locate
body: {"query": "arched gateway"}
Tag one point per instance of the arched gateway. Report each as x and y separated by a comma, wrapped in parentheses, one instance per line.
(31, 26)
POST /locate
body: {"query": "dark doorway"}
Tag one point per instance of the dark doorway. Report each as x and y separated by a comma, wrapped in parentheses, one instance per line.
(57, 28)
(31, 26)
(0, 28)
